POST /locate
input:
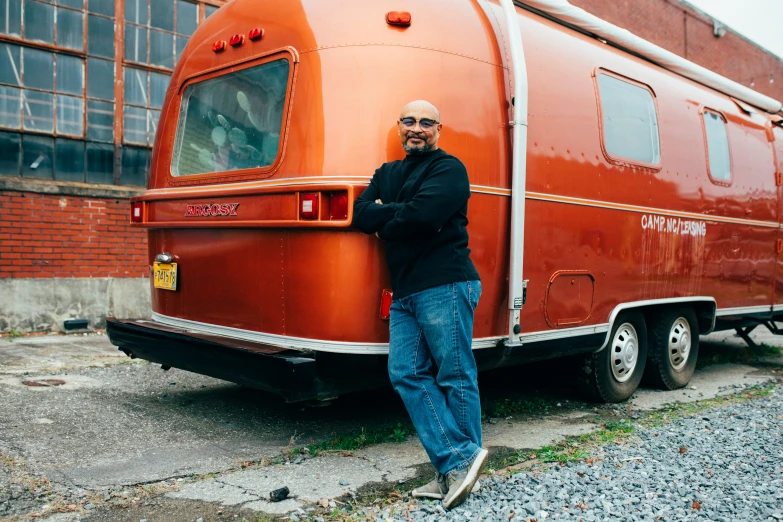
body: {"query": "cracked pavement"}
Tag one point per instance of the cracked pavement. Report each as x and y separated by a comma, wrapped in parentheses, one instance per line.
(127, 441)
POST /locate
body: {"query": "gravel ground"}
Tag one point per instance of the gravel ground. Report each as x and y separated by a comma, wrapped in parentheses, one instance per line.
(722, 464)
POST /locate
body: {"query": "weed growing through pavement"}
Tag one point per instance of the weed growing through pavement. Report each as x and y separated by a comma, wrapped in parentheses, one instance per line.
(13, 334)
(354, 441)
(508, 407)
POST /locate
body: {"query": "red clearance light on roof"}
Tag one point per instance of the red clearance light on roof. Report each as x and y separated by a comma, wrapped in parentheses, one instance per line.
(236, 40)
(338, 205)
(308, 206)
(386, 301)
(218, 46)
(137, 214)
(256, 34)
(398, 18)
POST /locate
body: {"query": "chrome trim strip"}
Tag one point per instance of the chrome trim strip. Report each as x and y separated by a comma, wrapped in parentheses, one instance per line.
(777, 307)
(293, 343)
(550, 335)
(652, 302)
(647, 210)
(744, 310)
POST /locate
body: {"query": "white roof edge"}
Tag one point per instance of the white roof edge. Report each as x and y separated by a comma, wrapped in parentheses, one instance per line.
(565, 12)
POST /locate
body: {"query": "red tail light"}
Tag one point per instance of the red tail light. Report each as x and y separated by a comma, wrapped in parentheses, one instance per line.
(236, 40)
(218, 46)
(386, 301)
(399, 18)
(338, 205)
(137, 212)
(256, 34)
(308, 205)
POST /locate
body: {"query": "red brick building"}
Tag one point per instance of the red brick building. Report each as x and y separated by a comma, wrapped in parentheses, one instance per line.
(75, 145)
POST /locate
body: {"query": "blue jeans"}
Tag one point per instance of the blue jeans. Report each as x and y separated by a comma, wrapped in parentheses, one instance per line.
(436, 325)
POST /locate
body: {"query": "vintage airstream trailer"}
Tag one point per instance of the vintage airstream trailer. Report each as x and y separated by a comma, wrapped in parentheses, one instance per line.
(623, 200)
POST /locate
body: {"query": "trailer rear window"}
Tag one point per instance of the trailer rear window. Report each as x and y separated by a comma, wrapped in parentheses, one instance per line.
(630, 125)
(718, 158)
(231, 122)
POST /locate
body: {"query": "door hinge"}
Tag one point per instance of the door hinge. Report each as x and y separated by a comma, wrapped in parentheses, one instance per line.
(780, 246)
(779, 178)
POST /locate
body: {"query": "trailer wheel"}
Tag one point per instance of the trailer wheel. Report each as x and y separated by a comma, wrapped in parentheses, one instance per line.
(614, 373)
(674, 347)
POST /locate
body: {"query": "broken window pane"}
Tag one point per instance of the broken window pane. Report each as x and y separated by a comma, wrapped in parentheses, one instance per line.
(104, 7)
(37, 154)
(11, 17)
(161, 49)
(100, 79)
(68, 160)
(38, 69)
(38, 110)
(135, 166)
(10, 64)
(100, 36)
(38, 21)
(158, 84)
(10, 107)
(136, 11)
(136, 87)
(135, 125)
(162, 14)
(70, 115)
(100, 163)
(135, 43)
(187, 17)
(100, 121)
(70, 29)
(70, 74)
(9, 153)
(152, 124)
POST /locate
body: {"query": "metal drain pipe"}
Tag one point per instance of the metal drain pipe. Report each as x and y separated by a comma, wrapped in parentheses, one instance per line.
(517, 286)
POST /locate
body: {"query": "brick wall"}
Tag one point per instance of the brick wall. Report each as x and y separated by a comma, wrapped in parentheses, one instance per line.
(684, 31)
(47, 236)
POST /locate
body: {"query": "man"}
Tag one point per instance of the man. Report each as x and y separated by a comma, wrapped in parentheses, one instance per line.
(419, 207)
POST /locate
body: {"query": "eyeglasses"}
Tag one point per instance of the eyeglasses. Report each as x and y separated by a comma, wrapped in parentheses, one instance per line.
(424, 123)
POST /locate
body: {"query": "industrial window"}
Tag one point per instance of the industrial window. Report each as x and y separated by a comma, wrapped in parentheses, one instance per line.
(718, 157)
(144, 94)
(156, 31)
(210, 10)
(629, 122)
(231, 122)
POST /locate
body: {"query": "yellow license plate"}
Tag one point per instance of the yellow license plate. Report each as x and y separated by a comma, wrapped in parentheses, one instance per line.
(165, 275)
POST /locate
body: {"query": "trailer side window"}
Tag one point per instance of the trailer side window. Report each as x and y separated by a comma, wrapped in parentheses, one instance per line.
(231, 122)
(718, 157)
(629, 121)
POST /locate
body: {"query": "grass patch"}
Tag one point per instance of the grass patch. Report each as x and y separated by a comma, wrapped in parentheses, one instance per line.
(13, 334)
(765, 349)
(360, 439)
(508, 407)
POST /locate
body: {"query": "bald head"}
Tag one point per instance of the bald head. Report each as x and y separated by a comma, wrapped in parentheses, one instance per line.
(419, 127)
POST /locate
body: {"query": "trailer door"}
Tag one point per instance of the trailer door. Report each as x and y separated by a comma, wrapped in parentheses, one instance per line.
(777, 134)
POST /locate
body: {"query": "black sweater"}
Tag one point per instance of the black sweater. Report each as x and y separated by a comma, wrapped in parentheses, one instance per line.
(423, 220)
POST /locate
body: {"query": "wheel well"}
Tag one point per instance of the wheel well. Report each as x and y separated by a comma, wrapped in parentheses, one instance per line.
(704, 310)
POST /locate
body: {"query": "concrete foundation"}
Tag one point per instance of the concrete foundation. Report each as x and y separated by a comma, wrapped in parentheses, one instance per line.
(41, 305)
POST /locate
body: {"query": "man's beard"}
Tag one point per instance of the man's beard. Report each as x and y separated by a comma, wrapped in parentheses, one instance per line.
(417, 151)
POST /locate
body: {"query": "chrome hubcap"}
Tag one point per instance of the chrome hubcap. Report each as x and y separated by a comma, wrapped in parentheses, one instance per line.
(625, 352)
(679, 343)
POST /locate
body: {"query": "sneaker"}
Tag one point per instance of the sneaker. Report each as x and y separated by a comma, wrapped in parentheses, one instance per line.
(437, 488)
(461, 482)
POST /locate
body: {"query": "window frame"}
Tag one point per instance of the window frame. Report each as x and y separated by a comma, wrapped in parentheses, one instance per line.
(620, 160)
(286, 53)
(714, 180)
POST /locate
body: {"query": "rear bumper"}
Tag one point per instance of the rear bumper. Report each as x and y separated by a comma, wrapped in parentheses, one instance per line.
(294, 375)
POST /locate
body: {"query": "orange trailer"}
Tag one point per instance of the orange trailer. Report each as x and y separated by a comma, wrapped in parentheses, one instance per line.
(624, 200)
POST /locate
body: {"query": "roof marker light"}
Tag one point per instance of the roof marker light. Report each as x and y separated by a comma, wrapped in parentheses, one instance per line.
(236, 40)
(398, 18)
(218, 46)
(256, 34)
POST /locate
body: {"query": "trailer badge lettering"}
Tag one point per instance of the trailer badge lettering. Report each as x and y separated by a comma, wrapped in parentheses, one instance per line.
(212, 210)
(670, 225)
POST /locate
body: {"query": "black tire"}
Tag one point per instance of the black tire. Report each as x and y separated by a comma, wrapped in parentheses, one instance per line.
(601, 382)
(669, 368)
